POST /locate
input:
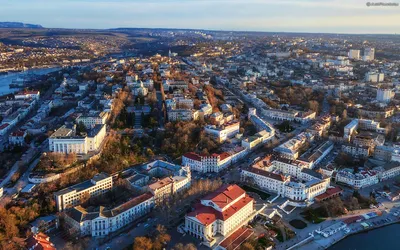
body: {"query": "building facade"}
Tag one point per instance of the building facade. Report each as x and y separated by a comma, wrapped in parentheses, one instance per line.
(221, 212)
(72, 196)
(102, 222)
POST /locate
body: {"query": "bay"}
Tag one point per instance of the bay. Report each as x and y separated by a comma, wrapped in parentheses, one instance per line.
(384, 238)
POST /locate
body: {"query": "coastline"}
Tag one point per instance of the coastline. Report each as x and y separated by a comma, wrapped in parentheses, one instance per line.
(320, 242)
(6, 80)
(364, 231)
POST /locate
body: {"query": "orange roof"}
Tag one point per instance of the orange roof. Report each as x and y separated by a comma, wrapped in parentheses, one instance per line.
(224, 156)
(3, 126)
(328, 193)
(237, 238)
(39, 241)
(192, 156)
(18, 133)
(207, 215)
(224, 195)
(161, 183)
(28, 92)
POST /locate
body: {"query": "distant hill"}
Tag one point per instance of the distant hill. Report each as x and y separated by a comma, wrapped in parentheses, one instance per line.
(19, 25)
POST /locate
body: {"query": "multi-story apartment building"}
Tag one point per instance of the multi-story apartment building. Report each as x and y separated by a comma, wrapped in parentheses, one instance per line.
(220, 213)
(72, 196)
(256, 140)
(320, 126)
(384, 95)
(316, 154)
(356, 151)
(175, 178)
(291, 179)
(368, 54)
(179, 102)
(369, 139)
(161, 189)
(357, 180)
(289, 115)
(350, 128)
(64, 140)
(374, 77)
(387, 153)
(214, 162)
(259, 123)
(290, 149)
(224, 132)
(182, 115)
(389, 170)
(91, 120)
(354, 54)
(100, 222)
(376, 113)
(23, 95)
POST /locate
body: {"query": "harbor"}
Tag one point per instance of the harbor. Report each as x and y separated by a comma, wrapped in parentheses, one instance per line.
(13, 81)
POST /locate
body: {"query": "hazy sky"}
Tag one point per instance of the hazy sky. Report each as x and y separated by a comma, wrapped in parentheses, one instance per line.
(333, 16)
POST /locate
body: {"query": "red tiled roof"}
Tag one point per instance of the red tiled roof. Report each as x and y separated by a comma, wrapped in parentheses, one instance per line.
(28, 92)
(18, 133)
(192, 156)
(268, 174)
(5, 125)
(39, 242)
(224, 195)
(237, 238)
(329, 193)
(207, 215)
(134, 202)
(353, 219)
(224, 155)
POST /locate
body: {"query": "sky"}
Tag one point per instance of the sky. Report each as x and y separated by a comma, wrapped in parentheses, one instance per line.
(327, 16)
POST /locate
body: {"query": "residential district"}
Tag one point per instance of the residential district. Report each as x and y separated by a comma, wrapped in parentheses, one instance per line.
(230, 141)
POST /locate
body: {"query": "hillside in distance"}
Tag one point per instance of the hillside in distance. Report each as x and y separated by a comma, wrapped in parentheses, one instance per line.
(19, 25)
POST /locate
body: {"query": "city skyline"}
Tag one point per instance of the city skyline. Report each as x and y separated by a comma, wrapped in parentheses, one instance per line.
(254, 15)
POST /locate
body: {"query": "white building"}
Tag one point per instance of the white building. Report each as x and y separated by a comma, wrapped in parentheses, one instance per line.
(72, 196)
(374, 77)
(182, 115)
(289, 115)
(369, 54)
(159, 177)
(357, 180)
(358, 151)
(220, 213)
(101, 222)
(213, 163)
(17, 138)
(290, 149)
(28, 95)
(384, 95)
(224, 132)
(291, 179)
(257, 139)
(354, 54)
(64, 140)
(91, 120)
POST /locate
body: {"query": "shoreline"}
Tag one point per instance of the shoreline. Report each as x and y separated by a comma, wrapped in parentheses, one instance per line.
(364, 231)
(6, 80)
